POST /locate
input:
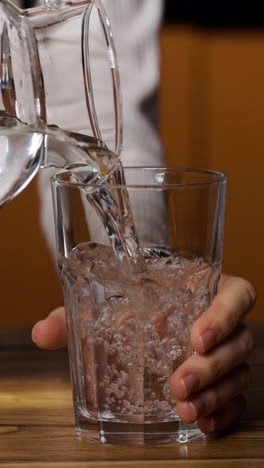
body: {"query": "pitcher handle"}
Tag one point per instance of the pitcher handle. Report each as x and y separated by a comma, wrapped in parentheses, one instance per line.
(111, 54)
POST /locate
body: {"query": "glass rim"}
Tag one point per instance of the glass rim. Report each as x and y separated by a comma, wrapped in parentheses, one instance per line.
(220, 178)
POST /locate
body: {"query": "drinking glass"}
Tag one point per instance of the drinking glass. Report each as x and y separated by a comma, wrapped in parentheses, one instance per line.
(139, 257)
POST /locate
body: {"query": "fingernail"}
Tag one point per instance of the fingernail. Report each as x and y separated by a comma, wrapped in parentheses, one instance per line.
(211, 425)
(34, 331)
(190, 384)
(208, 339)
(199, 407)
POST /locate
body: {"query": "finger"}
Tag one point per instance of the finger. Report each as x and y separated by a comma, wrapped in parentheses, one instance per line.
(231, 304)
(216, 396)
(51, 333)
(200, 371)
(223, 418)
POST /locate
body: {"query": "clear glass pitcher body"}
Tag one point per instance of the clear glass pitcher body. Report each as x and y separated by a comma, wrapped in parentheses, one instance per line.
(49, 64)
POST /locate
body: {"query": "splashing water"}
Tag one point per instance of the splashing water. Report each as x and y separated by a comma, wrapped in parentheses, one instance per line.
(134, 327)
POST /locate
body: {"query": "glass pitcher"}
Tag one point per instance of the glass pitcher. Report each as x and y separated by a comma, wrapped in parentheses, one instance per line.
(49, 87)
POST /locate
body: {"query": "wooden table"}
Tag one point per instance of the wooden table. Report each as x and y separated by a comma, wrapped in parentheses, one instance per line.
(37, 424)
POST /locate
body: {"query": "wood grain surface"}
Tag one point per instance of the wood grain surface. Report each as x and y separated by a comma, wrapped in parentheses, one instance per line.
(37, 423)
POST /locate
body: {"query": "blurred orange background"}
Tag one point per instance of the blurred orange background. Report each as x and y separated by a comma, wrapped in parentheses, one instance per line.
(212, 116)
